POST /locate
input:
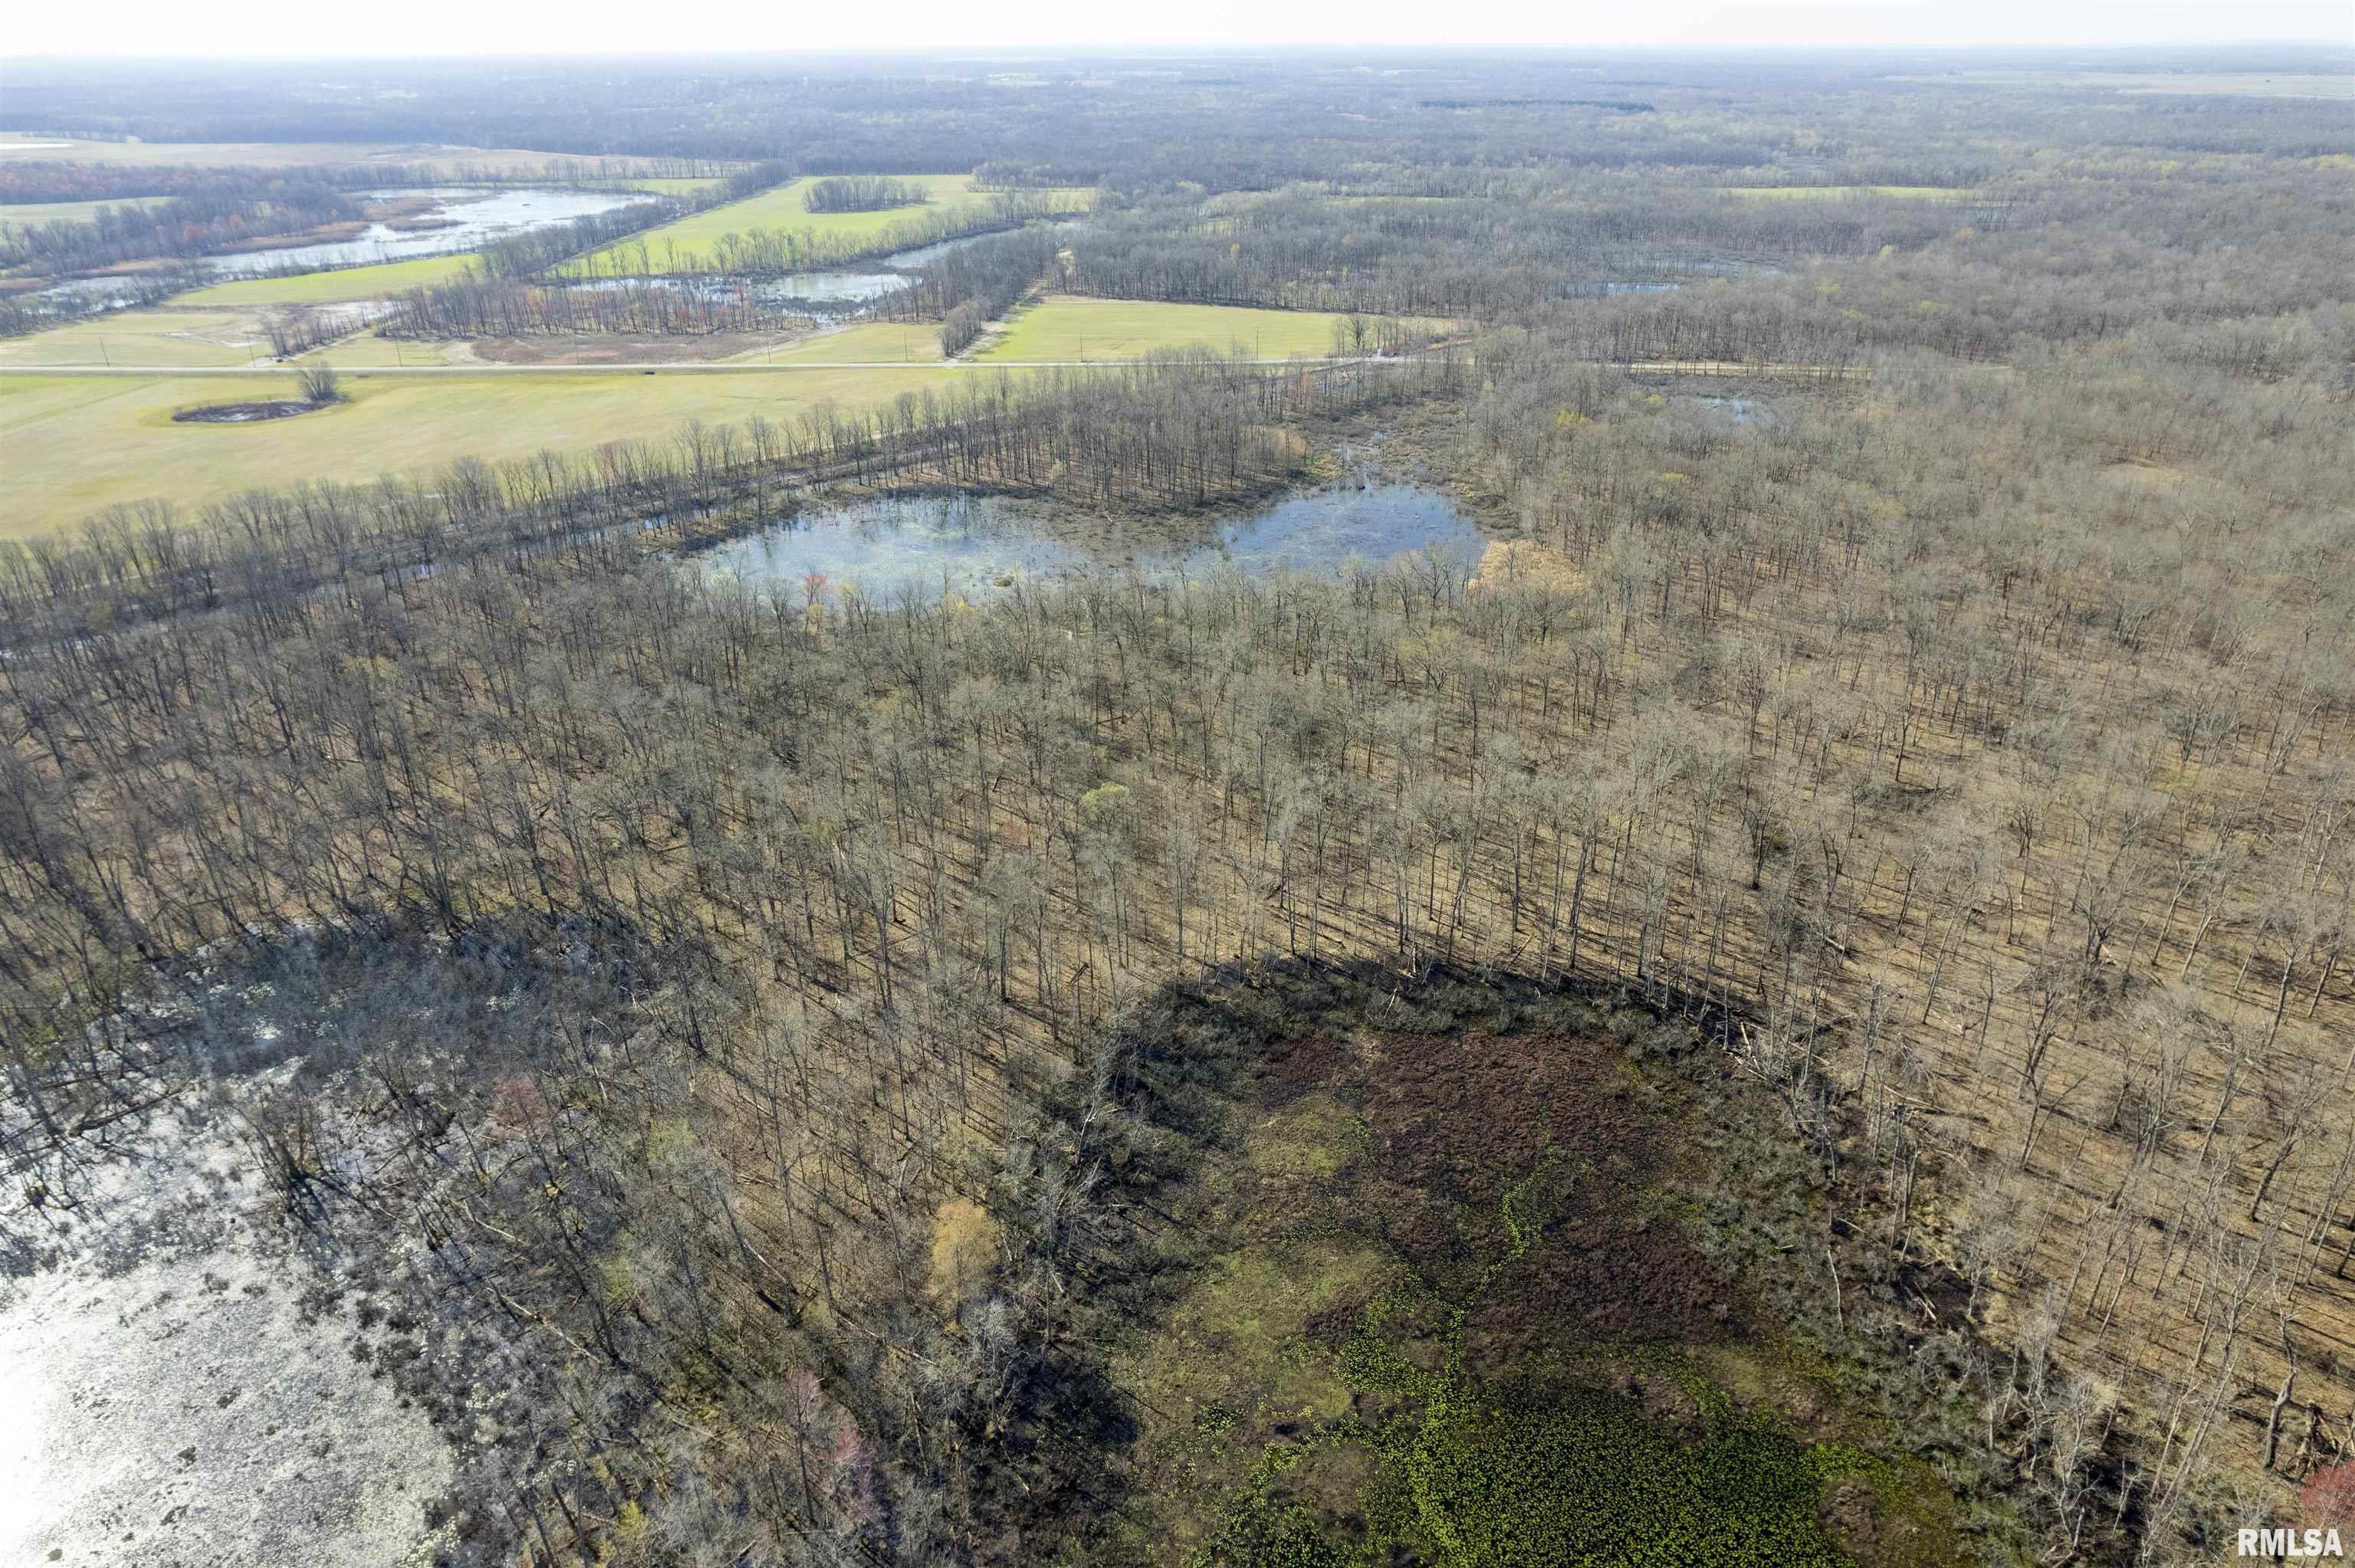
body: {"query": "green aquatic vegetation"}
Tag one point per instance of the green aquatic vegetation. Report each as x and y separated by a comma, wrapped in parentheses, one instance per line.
(1575, 1476)
(1482, 1476)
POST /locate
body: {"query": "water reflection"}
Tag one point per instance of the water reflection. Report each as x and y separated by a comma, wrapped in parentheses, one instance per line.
(981, 547)
(832, 295)
(1738, 410)
(475, 218)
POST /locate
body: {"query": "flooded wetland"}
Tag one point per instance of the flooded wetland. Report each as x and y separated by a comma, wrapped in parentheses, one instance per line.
(920, 549)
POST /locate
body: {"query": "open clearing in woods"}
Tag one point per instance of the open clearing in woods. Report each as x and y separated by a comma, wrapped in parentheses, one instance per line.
(683, 246)
(71, 445)
(1066, 327)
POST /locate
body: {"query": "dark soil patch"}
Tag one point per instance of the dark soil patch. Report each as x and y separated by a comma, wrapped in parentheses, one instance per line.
(244, 413)
(1455, 1120)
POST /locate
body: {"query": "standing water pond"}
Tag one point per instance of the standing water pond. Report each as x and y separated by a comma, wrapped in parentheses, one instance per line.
(980, 546)
(467, 219)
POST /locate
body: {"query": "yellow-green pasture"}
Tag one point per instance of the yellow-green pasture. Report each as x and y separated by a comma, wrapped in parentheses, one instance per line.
(207, 337)
(25, 214)
(1065, 326)
(867, 343)
(343, 285)
(684, 245)
(364, 350)
(71, 445)
(674, 185)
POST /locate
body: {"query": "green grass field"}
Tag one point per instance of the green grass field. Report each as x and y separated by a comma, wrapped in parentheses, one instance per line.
(216, 337)
(667, 186)
(1066, 327)
(867, 343)
(1838, 193)
(681, 246)
(328, 288)
(24, 214)
(70, 445)
(364, 350)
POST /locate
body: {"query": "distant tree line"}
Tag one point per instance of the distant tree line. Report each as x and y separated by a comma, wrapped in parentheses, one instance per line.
(1522, 244)
(30, 312)
(869, 192)
(971, 285)
(217, 215)
(475, 306)
(1616, 105)
(1253, 127)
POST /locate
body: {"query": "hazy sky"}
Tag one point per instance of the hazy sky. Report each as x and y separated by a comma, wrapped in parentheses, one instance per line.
(279, 27)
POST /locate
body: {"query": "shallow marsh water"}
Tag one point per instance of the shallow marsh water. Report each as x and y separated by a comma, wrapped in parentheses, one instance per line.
(919, 548)
(475, 217)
